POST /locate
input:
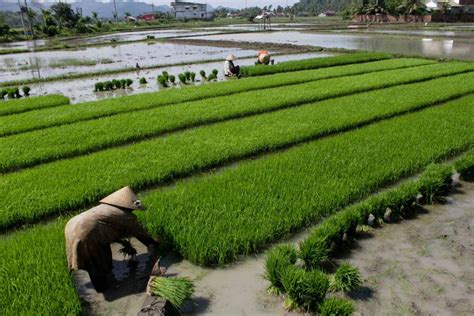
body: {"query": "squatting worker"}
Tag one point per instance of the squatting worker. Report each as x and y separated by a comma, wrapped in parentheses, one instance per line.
(230, 69)
(89, 235)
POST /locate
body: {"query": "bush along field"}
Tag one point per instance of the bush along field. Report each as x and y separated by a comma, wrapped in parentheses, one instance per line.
(335, 232)
(226, 169)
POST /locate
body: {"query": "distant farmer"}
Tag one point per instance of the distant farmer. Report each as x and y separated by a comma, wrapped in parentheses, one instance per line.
(230, 70)
(89, 235)
(263, 57)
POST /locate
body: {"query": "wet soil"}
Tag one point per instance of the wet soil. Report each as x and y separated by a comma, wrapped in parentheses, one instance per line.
(419, 266)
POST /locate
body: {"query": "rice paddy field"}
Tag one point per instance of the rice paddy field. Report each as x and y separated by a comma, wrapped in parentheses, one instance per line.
(227, 169)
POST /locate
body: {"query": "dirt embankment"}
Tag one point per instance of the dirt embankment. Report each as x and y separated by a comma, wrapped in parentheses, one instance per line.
(280, 48)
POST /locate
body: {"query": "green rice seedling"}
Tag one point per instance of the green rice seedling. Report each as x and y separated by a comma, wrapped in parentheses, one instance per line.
(175, 290)
(346, 278)
(192, 76)
(465, 166)
(52, 143)
(17, 92)
(336, 307)
(123, 83)
(11, 92)
(32, 103)
(187, 74)
(203, 75)
(184, 153)
(165, 75)
(162, 81)
(143, 80)
(306, 289)
(3, 93)
(215, 72)
(99, 86)
(182, 78)
(313, 63)
(92, 110)
(277, 260)
(116, 84)
(108, 85)
(129, 82)
(211, 77)
(172, 79)
(314, 252)
(26, 90)
(127, 249)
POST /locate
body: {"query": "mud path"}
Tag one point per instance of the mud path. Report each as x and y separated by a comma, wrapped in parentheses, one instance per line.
(420, 266)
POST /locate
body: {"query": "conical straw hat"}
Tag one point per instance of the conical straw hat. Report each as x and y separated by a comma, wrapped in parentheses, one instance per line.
(125, 198)
(231, 57)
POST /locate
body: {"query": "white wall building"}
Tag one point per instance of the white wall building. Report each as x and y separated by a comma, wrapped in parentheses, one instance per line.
(184, 10)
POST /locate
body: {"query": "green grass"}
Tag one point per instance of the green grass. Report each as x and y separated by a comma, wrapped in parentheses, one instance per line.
(91, 110)
(31, 103)
(213, 219)
(54, 187)
(305, 64)
(88, 136)
(34, 274)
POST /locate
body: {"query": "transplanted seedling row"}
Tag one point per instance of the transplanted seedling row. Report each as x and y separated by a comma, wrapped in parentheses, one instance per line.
(214, 219)
(53, 187)
(311, 63)
(84, 137)
(91, 110)
(29, 104)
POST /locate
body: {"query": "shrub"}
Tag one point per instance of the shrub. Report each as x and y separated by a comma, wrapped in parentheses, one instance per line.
(143, 80)
(129, 82)
(336, 307)
(187, 74)
(346, 278)
(172, 79)
(26, 90)
(192, 76)
(306, 289)
(99, 86)
(203, 74)
(215, 72)
(182, 78)
(277, 261)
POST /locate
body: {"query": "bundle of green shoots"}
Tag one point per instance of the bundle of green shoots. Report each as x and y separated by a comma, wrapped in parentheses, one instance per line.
(175, 290)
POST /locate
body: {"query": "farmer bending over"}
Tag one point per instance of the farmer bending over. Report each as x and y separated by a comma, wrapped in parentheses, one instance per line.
(89, 235)
(230, 70)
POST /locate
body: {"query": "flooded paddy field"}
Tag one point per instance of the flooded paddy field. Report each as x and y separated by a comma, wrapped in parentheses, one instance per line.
(442, 47)
(92, 59)
(80, 90)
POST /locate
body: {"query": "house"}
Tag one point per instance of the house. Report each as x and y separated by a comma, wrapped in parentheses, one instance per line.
(147, 17)
(184, 10)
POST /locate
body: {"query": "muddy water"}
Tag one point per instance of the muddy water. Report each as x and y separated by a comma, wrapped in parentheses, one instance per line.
(80, 90)
(459, 48)
(41, 64)
(420, 266)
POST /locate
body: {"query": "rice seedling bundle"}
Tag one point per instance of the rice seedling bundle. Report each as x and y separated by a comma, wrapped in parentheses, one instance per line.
(91, 110)
(175, 290)
(84, 137)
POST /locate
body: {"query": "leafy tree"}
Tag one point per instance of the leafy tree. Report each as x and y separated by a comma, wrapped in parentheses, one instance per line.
(64, 14)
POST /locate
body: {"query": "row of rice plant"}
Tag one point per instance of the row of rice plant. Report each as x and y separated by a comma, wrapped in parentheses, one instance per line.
(335, 232)
(311, 63)
(96, 109)
(83, 137)
(41, 272)
(14, 93)
(112, 85)
(53, 187)
(214, 219)
(34, 103)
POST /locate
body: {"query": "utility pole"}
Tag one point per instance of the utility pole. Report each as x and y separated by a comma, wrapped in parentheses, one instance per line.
(21, 18)
(153, 8)
(29, 20)
(116, 13)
